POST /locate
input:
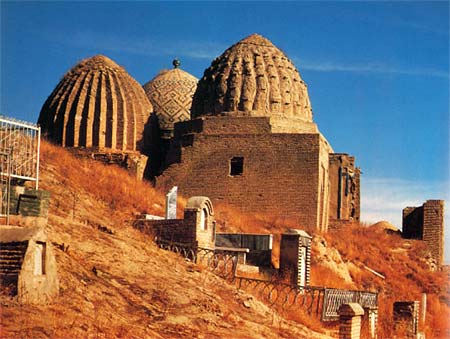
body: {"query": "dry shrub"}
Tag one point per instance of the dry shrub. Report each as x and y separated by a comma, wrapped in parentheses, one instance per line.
(323, 276)
(406, 274)
(301, 316)
(113, 185)
(401, 262)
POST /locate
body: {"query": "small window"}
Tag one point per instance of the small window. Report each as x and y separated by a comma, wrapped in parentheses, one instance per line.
(236, 166)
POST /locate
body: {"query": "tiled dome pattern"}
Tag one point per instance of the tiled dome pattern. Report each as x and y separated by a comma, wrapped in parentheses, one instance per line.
(170, 93)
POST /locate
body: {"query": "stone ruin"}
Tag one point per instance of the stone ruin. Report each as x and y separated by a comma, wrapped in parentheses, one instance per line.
(426, 223)
(27, 265)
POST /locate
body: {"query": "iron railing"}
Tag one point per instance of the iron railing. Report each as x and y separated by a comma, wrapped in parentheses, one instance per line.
(320, 301)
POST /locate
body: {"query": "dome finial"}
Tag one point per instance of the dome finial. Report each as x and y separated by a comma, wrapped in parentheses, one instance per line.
(176, 63)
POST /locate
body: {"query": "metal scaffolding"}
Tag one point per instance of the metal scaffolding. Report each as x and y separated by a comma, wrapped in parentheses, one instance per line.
(19, 156)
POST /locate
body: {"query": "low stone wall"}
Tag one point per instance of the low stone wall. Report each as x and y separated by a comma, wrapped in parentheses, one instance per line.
(172, 230)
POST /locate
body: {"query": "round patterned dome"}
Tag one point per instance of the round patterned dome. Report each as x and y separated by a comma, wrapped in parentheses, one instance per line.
(96, 104)
(170, 93)
(254, 78)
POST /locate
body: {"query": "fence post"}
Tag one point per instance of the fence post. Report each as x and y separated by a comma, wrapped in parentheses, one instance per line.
(350, 321)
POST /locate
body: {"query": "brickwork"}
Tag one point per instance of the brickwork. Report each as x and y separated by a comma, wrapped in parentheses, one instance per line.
(96, 104)
(295, 257)
(170, 93)
(134, 162)
(426, 223)
(283, 174)
(11, 259)
(350, 321)
(344, 189)
(197, 228)
(433, 228)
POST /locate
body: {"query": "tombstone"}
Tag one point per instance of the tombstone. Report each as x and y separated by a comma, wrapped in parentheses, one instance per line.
(28, 269)
(171, 203)
(406, 318)
(295, 256)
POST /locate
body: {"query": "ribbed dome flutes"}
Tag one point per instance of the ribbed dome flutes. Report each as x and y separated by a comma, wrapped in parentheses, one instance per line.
(96, 104)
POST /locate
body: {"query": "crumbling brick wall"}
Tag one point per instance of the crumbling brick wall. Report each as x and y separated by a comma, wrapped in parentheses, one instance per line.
(283, 174)
(426, 223)
(433, 228)
(344, 189)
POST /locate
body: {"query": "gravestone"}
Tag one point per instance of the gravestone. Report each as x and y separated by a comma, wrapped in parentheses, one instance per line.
(171, 203)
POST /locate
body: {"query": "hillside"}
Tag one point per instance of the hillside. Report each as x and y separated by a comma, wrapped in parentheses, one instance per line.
(115, 283)
(366, 257)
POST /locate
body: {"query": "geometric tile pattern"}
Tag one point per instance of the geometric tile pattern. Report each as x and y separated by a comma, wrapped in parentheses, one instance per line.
(170, 93)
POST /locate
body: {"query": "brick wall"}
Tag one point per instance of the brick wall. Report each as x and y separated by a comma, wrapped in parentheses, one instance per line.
(284, 174)
(174, 230)
(433, 228)
(426, 223)
(11, 258)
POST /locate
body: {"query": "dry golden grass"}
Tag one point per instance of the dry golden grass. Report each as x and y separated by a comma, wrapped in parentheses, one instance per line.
(141, 291)
(119, 284)
(406, 274)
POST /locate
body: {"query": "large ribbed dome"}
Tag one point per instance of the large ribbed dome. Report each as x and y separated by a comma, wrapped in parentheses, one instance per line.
(170, 93)
(255, 78)
(96, 104)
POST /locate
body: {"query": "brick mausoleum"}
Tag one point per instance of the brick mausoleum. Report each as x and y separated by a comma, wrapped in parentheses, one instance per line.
(243, 135)
(252, 142)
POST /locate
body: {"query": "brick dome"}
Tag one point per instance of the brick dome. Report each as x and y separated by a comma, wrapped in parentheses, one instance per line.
(96, 104)
(252, 78)
(170, 93)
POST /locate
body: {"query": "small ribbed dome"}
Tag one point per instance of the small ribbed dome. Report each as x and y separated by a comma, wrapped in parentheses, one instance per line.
(255, 78)
(96, 104)
(170, 93)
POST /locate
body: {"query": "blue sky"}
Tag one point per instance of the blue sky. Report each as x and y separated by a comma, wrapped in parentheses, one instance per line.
(377, 72)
